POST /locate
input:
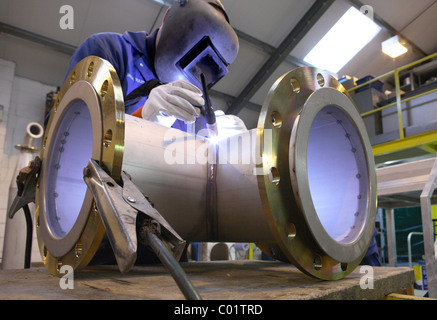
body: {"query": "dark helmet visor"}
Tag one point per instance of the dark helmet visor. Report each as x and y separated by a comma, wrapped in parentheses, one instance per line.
(203, 59)
(196, 38)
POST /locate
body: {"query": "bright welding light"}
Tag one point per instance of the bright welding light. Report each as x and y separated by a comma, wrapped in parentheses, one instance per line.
(214, 139)
(165, 120)
(228, 125)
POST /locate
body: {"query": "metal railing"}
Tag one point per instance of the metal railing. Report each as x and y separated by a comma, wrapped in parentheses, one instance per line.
(398, 103)
(410, 258)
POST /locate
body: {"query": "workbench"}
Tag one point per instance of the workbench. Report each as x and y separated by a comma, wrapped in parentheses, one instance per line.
(217, 280)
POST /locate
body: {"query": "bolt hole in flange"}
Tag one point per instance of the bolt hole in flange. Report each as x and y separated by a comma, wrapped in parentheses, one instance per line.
(73, 78)
(291, 231)
(78, 249)
(295, 85)
(90, 69)
(104, 89)
(274, 176)
(320, 80)
(343, 266)
(276, 119)
(317, 263)
(107, 140)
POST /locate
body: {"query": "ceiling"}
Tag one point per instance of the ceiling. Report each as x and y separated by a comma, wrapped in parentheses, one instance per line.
(274, 37)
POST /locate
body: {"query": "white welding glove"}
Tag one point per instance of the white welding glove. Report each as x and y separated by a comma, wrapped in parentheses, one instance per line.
(171, 101)
(228, 125)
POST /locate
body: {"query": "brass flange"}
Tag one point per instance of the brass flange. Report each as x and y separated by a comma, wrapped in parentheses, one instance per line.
(324, 238)
(92, 90)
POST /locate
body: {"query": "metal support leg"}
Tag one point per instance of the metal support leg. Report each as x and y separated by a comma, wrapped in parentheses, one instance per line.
(391, 237)
(428, 232)
(428, 238)
(410, 255)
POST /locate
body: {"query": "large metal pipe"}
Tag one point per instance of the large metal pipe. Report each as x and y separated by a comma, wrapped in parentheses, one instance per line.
(171, 166)
(302, 185)
(14, 245)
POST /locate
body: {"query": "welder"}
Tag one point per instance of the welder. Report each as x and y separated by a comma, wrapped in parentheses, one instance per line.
(160, 73)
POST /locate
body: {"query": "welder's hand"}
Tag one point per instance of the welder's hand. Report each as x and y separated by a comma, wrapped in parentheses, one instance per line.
(175, 100)
(228, 125)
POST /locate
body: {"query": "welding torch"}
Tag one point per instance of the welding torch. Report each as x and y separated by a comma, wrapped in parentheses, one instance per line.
(208, 110)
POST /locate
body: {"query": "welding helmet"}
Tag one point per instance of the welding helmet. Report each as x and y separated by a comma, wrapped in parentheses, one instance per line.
(196, 38)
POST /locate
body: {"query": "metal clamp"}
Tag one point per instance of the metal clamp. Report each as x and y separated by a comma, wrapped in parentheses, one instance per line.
(126, 212)
(26, 184)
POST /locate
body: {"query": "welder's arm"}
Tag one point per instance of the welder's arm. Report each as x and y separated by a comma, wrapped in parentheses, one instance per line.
(175, 100)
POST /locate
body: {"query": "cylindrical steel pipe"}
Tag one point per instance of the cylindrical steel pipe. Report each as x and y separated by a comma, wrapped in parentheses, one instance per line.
(302, 185)
(170, 166)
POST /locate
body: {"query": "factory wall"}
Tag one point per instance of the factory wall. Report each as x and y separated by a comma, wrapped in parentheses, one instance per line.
(23, 101)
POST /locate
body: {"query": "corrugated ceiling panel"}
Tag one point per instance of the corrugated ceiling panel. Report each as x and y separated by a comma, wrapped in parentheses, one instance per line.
(268, 21)
(422, 30)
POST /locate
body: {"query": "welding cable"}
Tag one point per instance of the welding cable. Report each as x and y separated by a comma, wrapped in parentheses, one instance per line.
(173, 267)
(29, 234)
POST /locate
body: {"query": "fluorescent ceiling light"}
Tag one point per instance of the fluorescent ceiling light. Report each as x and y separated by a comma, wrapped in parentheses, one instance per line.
(346, 38)
(394, 47)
